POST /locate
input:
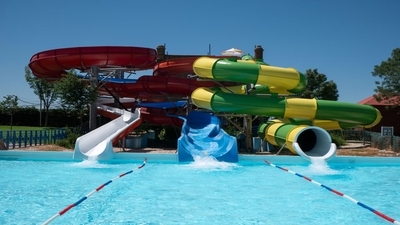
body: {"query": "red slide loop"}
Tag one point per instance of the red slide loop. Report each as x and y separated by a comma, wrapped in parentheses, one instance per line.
(52, 64)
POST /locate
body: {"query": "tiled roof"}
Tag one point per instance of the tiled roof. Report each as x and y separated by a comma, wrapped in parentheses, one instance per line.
(372, 101)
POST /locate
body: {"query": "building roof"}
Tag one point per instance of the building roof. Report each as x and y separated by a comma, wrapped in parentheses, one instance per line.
(372, 101)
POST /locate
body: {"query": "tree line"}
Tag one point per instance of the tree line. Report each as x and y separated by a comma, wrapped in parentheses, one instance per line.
(71, 92)
(30, 116)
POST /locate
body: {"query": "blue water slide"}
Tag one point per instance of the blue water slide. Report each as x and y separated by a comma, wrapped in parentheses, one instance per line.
(202, 136)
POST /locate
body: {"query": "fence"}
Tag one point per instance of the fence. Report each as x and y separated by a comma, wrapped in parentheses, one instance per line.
(19, 139)
(385, 142)
(374, 139)
(356, 135)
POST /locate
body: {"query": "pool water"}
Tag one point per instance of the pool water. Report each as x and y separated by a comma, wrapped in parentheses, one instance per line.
(202, 192)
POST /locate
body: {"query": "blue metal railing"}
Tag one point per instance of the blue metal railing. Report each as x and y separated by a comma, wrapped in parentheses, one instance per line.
(19, 139)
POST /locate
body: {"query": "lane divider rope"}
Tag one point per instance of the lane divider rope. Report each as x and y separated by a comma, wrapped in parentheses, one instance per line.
(66, 209)
(376, 212)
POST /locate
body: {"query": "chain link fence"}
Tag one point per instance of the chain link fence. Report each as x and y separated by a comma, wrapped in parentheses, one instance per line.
(374, 139)
(385, 142)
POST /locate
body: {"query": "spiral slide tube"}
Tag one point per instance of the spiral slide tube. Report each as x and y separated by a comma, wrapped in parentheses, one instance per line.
(349, 114)
(250, 71)
(307, 140)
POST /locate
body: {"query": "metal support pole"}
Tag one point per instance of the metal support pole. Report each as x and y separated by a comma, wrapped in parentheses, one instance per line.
(281, 149)
(189, 107)
(120, 75)
(363, 134)
(93, 105)
(40, 113)
(248, 131)
(248, 124)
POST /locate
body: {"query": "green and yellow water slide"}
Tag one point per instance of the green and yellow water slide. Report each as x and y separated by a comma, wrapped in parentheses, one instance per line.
(302, 124)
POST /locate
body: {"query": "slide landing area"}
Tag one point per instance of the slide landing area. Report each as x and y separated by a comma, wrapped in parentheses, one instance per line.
(202, 136)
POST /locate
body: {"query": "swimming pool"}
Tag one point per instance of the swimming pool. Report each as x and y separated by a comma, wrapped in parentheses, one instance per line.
(203, 192)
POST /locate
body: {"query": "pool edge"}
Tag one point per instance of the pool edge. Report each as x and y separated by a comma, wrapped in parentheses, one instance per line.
(122, 156)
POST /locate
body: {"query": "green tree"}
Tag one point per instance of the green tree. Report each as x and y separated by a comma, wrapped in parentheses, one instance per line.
(9, 106)
(75, 94)
(388, 89)
(44, 90)
(318, 87)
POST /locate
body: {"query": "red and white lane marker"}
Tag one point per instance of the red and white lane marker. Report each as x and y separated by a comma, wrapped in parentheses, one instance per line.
(338, 193)
(66, 209)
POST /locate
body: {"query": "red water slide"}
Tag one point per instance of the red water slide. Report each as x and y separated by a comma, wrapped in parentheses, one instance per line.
(179, 67)
(146, 86)
(52, 64)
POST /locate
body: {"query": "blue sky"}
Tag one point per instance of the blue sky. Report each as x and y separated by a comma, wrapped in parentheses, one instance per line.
(342, 39)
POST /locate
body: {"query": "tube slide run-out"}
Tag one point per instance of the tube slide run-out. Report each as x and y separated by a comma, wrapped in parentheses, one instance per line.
(306, 141)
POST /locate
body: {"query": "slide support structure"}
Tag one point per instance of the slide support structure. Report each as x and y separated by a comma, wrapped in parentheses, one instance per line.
(93, 105)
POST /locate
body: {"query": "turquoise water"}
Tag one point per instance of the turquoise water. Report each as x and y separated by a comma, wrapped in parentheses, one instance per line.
(203, 192)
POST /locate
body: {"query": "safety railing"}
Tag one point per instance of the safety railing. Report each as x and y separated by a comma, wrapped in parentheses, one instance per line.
(20, 139)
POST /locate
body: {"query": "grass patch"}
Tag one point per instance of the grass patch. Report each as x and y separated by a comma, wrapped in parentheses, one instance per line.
(18, 128)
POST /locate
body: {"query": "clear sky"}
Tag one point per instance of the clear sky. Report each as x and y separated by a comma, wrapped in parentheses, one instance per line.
(342, 39)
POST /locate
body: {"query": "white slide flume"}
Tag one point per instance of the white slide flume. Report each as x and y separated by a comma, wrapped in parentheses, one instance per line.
(98, 144)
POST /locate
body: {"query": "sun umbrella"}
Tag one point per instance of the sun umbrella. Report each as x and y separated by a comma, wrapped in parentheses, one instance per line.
(233, 52)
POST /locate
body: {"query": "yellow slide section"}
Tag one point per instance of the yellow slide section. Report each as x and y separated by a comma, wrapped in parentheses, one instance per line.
(243, 71)
(308, 140)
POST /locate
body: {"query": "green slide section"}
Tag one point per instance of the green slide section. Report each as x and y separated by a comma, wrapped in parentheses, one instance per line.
(303, 124)
(347, 114)
(250, 71)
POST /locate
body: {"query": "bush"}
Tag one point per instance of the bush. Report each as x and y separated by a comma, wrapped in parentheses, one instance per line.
(337, 139)
(69, 141)
(64, 143)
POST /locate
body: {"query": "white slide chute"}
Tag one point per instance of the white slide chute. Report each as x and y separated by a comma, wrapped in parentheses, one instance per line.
(97, 144)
